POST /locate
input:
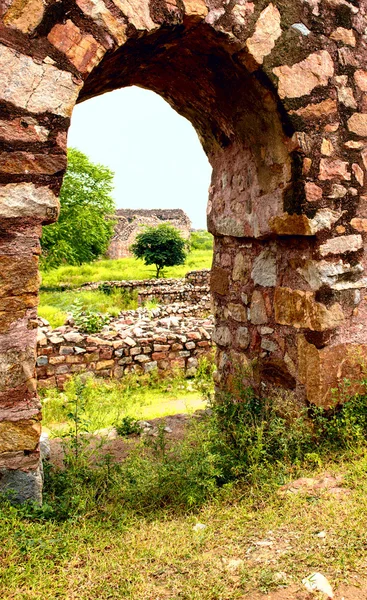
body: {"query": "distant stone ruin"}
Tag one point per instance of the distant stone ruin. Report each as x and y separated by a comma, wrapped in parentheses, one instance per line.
(130, 222)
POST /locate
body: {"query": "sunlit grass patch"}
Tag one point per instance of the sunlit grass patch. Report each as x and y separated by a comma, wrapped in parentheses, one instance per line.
(121, 269)
(108, 401)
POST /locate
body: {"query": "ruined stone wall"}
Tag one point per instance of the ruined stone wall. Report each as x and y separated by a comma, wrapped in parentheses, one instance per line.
(130, 222)
(277, 92)
(192, 289)
(138, 341)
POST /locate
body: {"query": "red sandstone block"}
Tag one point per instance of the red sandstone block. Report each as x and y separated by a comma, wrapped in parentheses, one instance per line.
(159, 355)
(194, 335)
(80, 48)
(177, 347)
(72, 360)
(160, 347)
(105, 353)
(203, 344)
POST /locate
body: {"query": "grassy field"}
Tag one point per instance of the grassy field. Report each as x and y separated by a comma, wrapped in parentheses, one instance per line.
(124, 268)
(55, 302)
(252, 540)
(169, 524)
(107, 402)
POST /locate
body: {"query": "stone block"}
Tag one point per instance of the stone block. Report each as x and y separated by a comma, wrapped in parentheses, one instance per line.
(24, 15)
(27, 163)
(36, 87)
(341, 245)
(267, 31)
(66, 350)
(97, 10)
(105, 364)
(358, 124)
(301, 78)
(219, 282)
(80, 48)
(21, 486)
(258, 315)
(150, 366)
(19, 435)
(299, 309)
(222, 336)
(27, 201)
(322, 370)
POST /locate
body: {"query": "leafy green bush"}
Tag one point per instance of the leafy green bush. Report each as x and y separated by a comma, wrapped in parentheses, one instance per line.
(88, 321)
(127, 426)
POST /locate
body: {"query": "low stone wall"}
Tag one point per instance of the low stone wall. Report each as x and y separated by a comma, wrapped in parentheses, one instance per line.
(137, 341)
(192, 289)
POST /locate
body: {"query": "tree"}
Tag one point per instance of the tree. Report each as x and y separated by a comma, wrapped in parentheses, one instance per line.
(85, 226)
(161, 246)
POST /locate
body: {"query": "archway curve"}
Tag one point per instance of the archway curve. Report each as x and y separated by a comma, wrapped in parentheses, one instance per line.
(276, 92)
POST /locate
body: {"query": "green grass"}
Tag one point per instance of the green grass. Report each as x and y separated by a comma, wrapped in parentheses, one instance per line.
(55, 305)
(127, 531)
(114, 553)
(108, 401)
(124, 268)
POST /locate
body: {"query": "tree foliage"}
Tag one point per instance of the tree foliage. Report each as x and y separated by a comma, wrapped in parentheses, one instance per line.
(161, 246)
(83, 230)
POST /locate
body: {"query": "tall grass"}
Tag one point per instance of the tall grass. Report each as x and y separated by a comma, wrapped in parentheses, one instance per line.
(54, 306)
(107, 402)
(121, 269)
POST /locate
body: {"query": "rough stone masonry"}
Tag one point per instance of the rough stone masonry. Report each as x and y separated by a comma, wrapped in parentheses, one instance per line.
(277, 92)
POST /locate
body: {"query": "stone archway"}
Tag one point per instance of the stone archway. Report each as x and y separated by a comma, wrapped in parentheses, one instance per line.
(278, 96)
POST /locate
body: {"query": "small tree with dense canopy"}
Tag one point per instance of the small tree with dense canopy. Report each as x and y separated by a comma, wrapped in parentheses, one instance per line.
(84, 229)
(161, 246)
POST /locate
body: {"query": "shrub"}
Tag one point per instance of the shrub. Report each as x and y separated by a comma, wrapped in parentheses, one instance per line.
(88, 321)
(127, 426)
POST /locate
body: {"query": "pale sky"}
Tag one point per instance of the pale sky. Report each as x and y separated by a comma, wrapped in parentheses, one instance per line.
(155, 153)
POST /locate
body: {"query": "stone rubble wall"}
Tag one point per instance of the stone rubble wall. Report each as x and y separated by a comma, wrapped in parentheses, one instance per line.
(162, 339)
(131, 222)
(193, 289)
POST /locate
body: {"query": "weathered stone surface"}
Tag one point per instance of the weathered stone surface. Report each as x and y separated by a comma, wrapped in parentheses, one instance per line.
(36, 87)
(359, 224)
(25, 15)
(313, 192)
(241, 267)
(334, 169)
(322, 370)
(18, 275)
(258, 314)
(302, 225)
(237, 312)
(300, 79)
(28, 201)
(327, 149)
(340, 34)
(28, 163)
(24, 129)
(300, 310)
(219, 281)
(358, 124)
(336, 275)
(19, 435)
(138, 13)
(318, 110)
(360, 78)
(195, 9)
(22, 485)
(358, 173)
(222, 336)
(341, 245)
(97, 10)
(267, 31)
(264, 271)
(242, 337)
(81, 49)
